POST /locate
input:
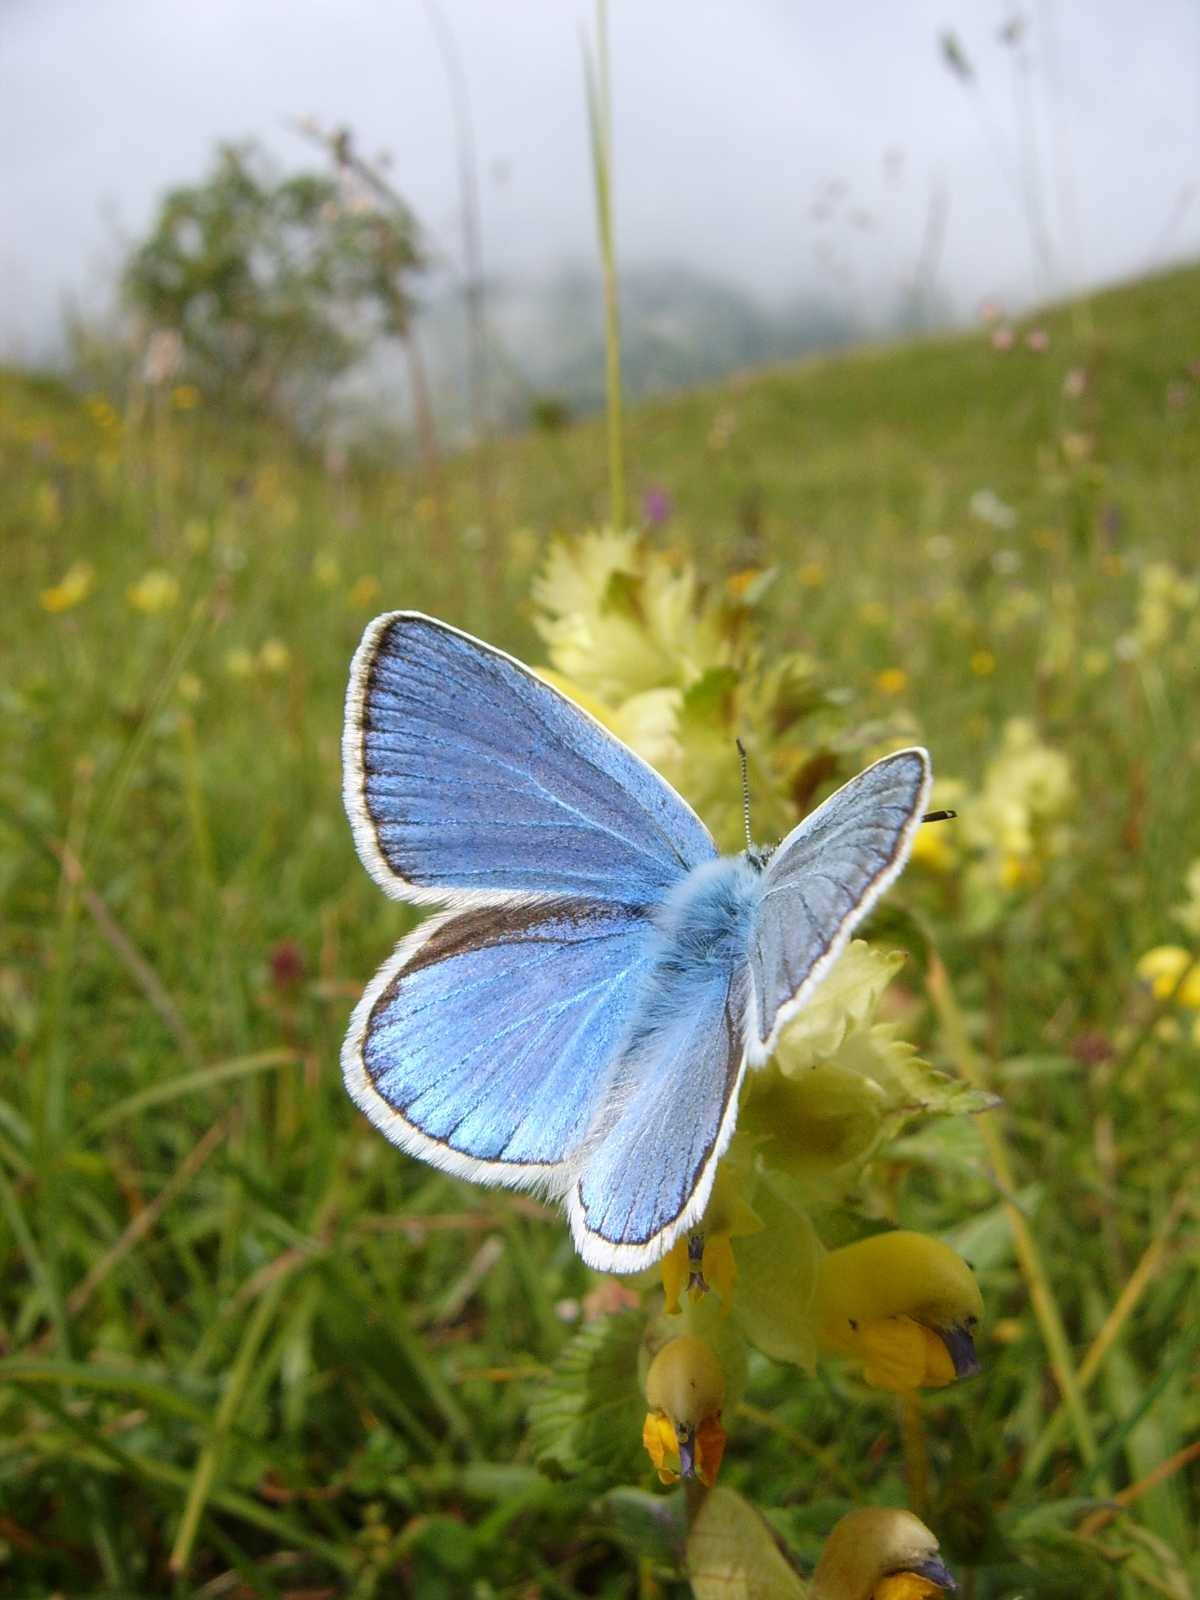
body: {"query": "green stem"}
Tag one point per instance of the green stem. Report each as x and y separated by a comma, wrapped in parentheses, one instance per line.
(1041, 1295)
(600, 124)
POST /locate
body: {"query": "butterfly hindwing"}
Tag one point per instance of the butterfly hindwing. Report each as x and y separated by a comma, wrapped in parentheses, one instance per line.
(484, 1044)
(822, 881)
(670, 1116)
(466, 776)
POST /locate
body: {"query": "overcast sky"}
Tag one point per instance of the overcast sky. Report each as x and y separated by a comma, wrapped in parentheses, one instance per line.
(730, 120)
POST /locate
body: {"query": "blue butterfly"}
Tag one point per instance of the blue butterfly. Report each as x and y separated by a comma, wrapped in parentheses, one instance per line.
(580, 1017)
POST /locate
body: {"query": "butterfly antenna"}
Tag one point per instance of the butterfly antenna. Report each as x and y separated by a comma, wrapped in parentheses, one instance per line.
(939, 816)
(741, 750)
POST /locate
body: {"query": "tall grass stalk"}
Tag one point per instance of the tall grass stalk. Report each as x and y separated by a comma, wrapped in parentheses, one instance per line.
(599, 103)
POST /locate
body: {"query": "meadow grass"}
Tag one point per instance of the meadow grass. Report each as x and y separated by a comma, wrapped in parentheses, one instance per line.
(246, 1347)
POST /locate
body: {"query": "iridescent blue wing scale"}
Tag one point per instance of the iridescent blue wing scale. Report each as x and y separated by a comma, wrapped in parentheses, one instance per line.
(486, 1042)
(667, 1120)
(823, 879)
(466, 777)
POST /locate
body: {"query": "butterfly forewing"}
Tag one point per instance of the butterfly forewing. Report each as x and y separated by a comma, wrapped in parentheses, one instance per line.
(824, 878)
(465, 775)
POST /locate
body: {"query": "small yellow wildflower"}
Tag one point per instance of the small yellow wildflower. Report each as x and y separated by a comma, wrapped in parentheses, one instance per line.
(873, 614)
(47, 502)
(892, 681)
(185, 397)
(326, 569)
(190, 688)
(983, 663)
(811, 575)
(685, 1390)
(156, 590)
(1164, 966)
(75, 586)
(932, 848)
(274, 657)
(1019, 872)
(239, 663)
(365, 591)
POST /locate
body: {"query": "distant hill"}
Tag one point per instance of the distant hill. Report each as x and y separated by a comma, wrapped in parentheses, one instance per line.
(679, 328)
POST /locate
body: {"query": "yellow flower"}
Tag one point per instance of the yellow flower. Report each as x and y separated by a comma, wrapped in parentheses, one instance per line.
(811, 575)
(239, 663)
(620, 618)
(47, 502)
(880, 1554)
(326, 569)
(190, 688)
(155, 590)
(983, 663)
(1187, 915)
(1164, 966)
(274, 657)
(185, 397)
(75, 586)
(685, 1390)
(902, 1306)
(892, 681)
(365, 591)
(703, 1259)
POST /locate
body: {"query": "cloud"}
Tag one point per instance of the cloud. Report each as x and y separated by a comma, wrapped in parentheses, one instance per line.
(731, 123)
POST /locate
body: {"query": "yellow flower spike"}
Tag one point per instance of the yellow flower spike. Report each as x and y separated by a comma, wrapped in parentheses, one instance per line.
(904, 1307)
(685, 1390)
(1164, 966)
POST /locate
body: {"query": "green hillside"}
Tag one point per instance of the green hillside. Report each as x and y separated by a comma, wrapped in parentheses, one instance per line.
(237, 1329)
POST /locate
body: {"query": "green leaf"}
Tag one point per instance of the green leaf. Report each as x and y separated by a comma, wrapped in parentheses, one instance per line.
(587, 1419)
(708, 703)
(777, 1275)
(733, 1555)
(653, 1526)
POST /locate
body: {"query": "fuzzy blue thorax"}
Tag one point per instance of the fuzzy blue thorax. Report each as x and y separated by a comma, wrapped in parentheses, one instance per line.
(701, 928)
